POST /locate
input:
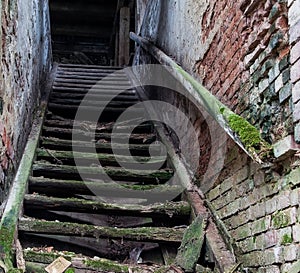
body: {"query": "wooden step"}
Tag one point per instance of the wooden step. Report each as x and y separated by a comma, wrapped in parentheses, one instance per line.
(104, 96)
(144, 234)
(36, 261)
(117, 174)
(105, 81)
(84, 146)
(71, 188)
(99, 128)
(68, 158)
(169, 209)
(77, 134)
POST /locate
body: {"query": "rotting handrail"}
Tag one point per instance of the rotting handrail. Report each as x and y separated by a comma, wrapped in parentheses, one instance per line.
(233, 124)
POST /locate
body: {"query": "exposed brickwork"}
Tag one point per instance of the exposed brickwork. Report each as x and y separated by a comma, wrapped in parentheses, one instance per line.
(249, 59)
(24, 46)
(294, 23)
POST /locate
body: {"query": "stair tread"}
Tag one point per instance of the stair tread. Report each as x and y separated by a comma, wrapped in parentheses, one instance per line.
(143, 234)
(171, 209)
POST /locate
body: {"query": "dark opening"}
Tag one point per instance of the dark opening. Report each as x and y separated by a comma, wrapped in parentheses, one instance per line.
(86, 31)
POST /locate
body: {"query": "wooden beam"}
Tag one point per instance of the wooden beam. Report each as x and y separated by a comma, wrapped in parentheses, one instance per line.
(144, 234)
(118, 174)
(124, 39)
(72, 188)
(169, 209)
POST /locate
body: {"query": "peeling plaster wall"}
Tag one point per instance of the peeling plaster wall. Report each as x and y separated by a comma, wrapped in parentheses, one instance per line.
(26, 49)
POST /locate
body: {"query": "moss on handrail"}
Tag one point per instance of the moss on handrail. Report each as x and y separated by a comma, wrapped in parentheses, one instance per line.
(239, 129)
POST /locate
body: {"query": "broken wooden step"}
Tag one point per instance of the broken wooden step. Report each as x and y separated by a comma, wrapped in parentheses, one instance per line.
(65, 133)
(72, 172)
(85, 146)
(72, 188)
(39, 259)
(168, 209)
(68, 158)
(143, 234)
(99, 128)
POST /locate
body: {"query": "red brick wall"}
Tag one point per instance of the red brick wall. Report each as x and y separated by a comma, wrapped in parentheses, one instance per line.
(247, 63)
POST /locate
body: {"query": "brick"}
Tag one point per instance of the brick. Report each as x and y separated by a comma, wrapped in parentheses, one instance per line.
(290, 253)
(214, 193)
(285, 92)
(296, 92)
(285, 147)
(271, 238)
(295, 197)
(271, 205)
(278, 83)
(296, 233)
(294, 177)
(286, 75)
(295, 71)
(285, 236)
(258, 210)
(261, 225)
(284, 218)
(241, 232)
(296, 113)
(253, 258)
(294, 32)
(297, 133)
(274, 72)
(294, 13)
(273, 256)
(284, 63)
(263, 85)
(295, 53)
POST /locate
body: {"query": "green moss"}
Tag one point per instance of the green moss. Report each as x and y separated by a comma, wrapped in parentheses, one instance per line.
(106, 265)
(247, 133)
(286, 239)
(280, 220)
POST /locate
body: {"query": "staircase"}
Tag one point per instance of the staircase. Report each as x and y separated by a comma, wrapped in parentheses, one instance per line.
(62, 215)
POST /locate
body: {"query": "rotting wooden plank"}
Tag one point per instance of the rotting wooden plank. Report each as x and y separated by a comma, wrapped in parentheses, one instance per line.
(114, 103)
(65, 133)
(51, 170)
(99, 85)
(93, 82)
(75, 76)
(95, 96)
(100, 90)
(68, 156)
(191, 246)
(82, 66)
(69, 145)
(99, 128)
(100, 265)
(143, 234)
(71, 188)
(124, 40)
(168, 209)
(10, 215)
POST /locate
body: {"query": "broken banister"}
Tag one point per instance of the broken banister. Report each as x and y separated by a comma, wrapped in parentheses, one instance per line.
(240, 130)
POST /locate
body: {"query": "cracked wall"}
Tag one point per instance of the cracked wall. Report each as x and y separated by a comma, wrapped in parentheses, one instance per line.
(25, 60)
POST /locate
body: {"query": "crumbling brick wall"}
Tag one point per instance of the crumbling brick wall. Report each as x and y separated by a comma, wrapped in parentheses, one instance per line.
(247, 54)
(25, 60)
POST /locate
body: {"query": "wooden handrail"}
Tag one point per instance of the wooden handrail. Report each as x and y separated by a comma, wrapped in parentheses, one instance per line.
(216, 109)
